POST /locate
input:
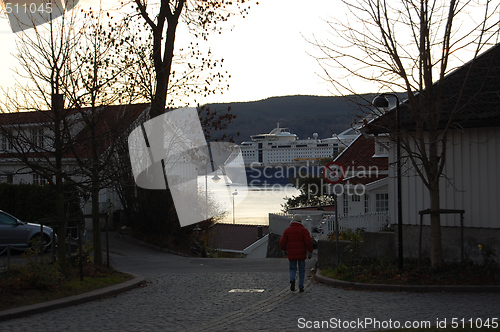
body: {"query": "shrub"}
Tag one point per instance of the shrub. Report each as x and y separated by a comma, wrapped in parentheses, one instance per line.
(30, 202)
(37, 273)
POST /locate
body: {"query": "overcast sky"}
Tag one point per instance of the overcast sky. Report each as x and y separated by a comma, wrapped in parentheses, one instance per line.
(266, 53)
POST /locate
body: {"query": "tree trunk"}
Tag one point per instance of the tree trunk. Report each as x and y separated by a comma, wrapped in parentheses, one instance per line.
(96, 224)
(436, 245)
(160, 99)
(61, 224)
(163, 65)
(58, 108)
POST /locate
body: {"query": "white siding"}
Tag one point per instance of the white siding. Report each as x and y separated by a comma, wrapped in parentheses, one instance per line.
(470, 182)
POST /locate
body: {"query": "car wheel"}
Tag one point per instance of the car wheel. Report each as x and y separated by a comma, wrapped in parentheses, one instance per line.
(39, 243)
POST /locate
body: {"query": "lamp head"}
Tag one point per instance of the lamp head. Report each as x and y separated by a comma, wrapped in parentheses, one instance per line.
(215, 178)
(381, 102)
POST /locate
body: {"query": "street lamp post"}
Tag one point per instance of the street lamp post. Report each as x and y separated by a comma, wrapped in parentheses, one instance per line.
(215, 178)
(234, 193)
(381, 101)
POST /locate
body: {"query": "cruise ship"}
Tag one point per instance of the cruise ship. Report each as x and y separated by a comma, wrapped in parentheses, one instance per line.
(278, 156)
(281, 147)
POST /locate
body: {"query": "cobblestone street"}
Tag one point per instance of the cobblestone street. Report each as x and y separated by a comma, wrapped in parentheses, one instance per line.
(192, 294)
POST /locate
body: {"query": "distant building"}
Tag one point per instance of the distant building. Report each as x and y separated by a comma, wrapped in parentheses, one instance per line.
(365, 163)
(239, 240)
(27, 144)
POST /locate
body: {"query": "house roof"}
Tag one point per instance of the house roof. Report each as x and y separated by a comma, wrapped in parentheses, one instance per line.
(234, 236)
(362, 179)
(29, 117)
(359, 156)
(360, 165)
(313, 208)
(110, 123)
(471, 96)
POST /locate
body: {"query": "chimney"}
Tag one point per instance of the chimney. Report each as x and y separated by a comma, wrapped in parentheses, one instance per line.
(259, 232)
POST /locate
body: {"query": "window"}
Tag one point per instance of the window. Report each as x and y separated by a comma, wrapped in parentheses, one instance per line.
(382, 202)
(37, 137)
(367, 203)
(381, 149)
(7, 143)
(356, 198)
(5, 219)
(37, 179)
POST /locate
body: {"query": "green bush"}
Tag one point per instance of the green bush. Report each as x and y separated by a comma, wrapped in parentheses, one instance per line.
(38, 273)
(30, 202)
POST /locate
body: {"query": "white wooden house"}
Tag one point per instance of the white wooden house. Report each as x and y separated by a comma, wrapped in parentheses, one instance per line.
(363, 202)
(470, 181)
(27, 144)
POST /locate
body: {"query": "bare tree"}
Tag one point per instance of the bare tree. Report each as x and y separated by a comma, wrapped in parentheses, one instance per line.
(409, 46)
(44, 56)
(86, 62)
(194, 73)
(101, 72)
(167, 74)
(202, 17)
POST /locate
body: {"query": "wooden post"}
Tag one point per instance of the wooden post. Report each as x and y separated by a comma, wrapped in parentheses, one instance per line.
(462, 254)
(80, 255)
(107, 241)
(420, 239)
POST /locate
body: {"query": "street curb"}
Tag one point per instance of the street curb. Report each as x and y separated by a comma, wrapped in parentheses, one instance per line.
(406, 288)
(71, 300)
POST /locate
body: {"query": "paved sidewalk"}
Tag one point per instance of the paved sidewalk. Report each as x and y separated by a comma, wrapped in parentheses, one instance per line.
(72, 300)
(192, 294)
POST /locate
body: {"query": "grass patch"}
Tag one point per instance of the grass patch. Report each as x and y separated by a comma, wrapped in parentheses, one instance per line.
(39, 281)
(387, 272)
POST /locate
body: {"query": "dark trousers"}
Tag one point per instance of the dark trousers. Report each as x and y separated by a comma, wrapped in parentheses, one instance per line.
(302, 271)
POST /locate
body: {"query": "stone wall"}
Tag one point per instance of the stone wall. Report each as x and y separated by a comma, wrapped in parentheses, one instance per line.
(327, 252)
(384, 245)
(273, 246)
(488, 238)
(377, 245)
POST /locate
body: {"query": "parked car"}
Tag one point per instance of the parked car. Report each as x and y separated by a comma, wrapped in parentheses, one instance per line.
(22, 235)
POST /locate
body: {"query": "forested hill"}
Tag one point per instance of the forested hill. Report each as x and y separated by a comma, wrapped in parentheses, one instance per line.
(303, 115)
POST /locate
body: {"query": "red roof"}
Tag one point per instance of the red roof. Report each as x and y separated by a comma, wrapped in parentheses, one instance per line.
(29, 117)
(111, 123)
(234, 236)
(359, 155)
(360, 179)
(360, 165)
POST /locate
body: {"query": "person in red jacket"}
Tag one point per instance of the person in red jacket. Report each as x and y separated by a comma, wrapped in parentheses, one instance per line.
(297, 242)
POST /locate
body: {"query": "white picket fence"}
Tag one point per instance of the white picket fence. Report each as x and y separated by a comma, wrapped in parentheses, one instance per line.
(370, 222)
(278, 222)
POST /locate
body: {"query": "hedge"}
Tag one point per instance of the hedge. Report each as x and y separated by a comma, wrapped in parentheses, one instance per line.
(29, 202)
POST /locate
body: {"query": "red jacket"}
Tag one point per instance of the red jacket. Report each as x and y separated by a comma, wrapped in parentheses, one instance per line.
(297, 241)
